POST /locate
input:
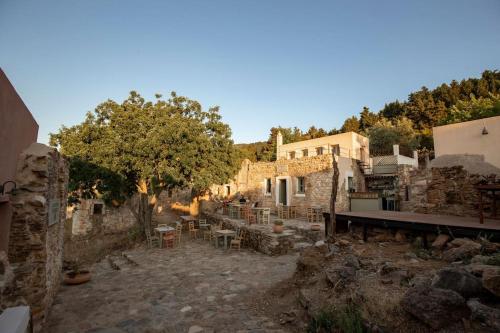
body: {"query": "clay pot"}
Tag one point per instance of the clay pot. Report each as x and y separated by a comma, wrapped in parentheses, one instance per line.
(72, 278)
(315, 227)
(277, 229)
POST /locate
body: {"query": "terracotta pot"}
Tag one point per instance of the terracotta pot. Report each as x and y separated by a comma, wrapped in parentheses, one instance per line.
(277, 229)
(71, 278)
(315, 227)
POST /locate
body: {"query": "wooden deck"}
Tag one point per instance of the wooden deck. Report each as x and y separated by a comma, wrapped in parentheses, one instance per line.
(453, 225)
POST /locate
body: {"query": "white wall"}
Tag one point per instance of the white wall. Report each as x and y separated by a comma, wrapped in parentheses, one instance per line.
(467, 138)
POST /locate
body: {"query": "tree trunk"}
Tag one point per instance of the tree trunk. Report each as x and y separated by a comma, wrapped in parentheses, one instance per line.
(333, 199)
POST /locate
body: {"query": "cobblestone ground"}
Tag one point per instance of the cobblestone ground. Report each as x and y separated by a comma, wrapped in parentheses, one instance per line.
(192, 288)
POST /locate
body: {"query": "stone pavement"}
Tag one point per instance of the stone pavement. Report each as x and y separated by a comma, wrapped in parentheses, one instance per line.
(192, 288)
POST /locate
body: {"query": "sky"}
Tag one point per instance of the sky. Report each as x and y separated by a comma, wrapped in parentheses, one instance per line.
(264, 62)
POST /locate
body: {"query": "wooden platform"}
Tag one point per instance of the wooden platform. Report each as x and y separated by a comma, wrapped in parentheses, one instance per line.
(456, 226)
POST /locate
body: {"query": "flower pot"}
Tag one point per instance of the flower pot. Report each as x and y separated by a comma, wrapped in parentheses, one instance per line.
(315, 227)
(72, 278)
(277, 229)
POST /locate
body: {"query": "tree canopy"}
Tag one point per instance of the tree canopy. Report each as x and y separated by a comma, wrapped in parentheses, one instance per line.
(146, 147)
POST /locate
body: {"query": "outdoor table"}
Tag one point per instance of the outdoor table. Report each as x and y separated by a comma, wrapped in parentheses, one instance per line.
(187, 218)
(225, 233)
(161, 231)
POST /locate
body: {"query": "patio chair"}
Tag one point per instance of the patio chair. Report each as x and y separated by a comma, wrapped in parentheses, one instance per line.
(266, 216)
(202, 223)
(207, 234)
(178, 233)
(251, 217)
(169, 239)
(192, 230)
(238, 240)
(152, 240)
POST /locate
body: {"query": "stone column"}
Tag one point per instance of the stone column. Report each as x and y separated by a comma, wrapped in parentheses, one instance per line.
(37, 230)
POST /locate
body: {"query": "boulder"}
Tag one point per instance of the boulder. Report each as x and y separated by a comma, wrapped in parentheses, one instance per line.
(400, 236)
(479, 259)
(440, 241)
(435, 307)
(351, 260)
(466, 249)
(340, 275)
(485, 314)
(459, 280)
(491, 279)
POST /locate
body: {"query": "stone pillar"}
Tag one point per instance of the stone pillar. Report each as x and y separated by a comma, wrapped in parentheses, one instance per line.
(37, 230)
(395, 149)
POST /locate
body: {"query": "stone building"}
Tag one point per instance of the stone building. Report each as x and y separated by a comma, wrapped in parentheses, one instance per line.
(303, 179)
(93, 216)
(32, 210)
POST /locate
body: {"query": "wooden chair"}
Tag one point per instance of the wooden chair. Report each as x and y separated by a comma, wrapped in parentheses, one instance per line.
(266, 216)
(245, 210)
(251, 218)
(202, 223)
(292, 212)
(169, 239)
(238, 240)
(207, 234)
(152, 240)
(310, 214)
(178, 233)
(192, 230)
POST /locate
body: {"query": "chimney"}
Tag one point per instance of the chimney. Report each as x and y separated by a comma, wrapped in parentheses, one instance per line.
(415, 155)
(279, 139)
(395, 149)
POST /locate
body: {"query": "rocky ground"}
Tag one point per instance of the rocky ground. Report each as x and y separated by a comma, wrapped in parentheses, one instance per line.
(192, 288)
(390, 286)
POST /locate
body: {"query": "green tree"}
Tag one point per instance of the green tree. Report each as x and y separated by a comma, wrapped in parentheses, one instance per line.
(384, 134)
(475, 108)
(367, 119)
(145, 147)
(351, 125)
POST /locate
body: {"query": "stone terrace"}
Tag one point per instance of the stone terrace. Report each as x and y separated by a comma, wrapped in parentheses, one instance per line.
(260, 237)
(192, 288)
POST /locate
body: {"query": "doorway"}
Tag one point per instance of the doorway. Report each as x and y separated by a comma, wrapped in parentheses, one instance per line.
(282, 192)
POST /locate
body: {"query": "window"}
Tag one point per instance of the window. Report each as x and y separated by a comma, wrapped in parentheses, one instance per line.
(98, 208)
(291, 155)
(336, 150)
(305, 153)
(319, 151)
(350, 184)
(301, 185)
(268, 186)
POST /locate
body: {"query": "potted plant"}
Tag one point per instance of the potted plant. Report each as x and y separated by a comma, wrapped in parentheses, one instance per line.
(76, 275)
(315, 227)
(278, 226)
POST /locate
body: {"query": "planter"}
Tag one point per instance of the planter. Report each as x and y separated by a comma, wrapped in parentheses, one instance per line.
(72, 278)
(315, 227)
(277, 229)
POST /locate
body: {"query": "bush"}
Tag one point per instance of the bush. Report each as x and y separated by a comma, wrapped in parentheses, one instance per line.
(278, 222)
(346, 319)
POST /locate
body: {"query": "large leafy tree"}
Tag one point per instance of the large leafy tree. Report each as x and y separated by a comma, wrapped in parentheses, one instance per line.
(384, 134)
(144, 147)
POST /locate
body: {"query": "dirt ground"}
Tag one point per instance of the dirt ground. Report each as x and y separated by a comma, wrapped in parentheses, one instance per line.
(192, 288)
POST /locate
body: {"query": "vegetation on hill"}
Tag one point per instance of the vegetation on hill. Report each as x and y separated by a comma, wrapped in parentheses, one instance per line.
(144, 147)
(408, 123)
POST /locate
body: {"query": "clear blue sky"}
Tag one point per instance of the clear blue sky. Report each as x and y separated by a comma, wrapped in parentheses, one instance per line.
(265, 63)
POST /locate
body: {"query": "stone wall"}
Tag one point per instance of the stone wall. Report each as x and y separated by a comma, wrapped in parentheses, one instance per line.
(316, 170)
(36, 234)
(87, 220)
(447, 191)
(258, 237)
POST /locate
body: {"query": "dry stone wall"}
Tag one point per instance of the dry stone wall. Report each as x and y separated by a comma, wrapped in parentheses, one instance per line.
(447, 191)
(36, 235)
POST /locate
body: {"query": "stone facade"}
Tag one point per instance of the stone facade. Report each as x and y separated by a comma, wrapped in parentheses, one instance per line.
(447, 191)
(316, 171)
(37, 230)
(93, 216)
